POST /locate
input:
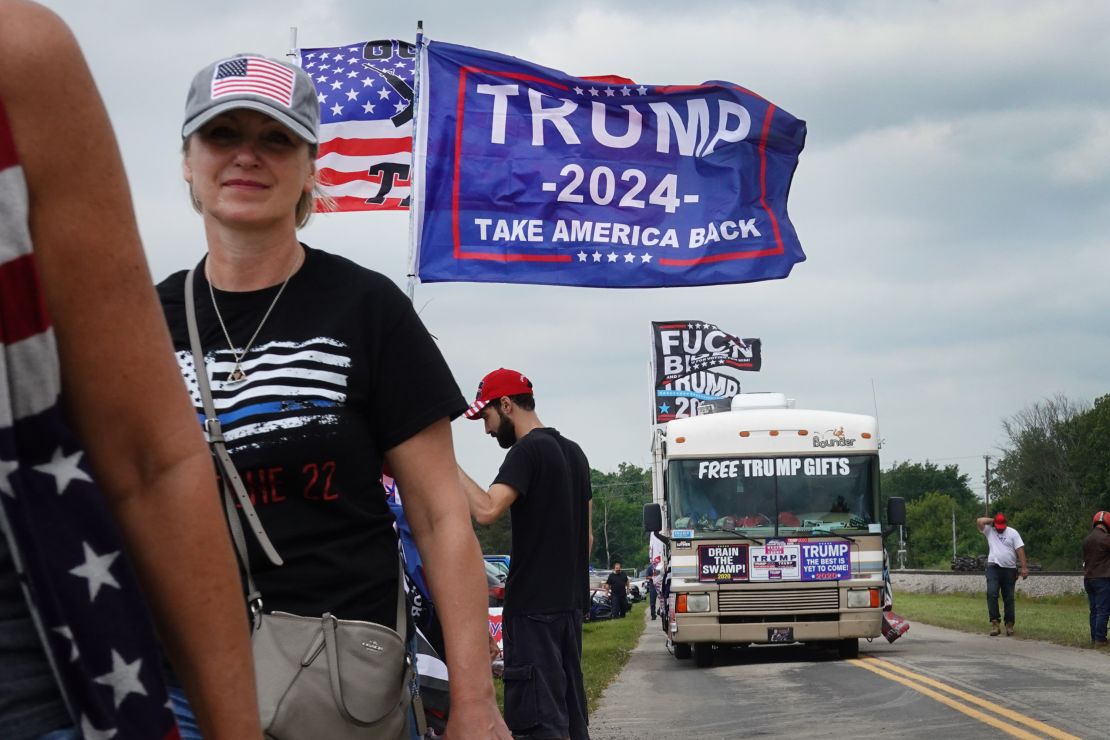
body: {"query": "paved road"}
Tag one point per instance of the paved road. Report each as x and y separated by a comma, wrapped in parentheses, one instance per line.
(933, 683)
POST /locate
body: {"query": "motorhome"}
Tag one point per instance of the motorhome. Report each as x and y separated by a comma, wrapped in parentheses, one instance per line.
(771, 518)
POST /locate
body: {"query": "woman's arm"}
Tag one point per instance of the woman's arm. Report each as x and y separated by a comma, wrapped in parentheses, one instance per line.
(438, 513)
(121, 387)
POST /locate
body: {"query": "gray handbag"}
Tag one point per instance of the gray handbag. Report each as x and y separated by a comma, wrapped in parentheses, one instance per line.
(318, 678)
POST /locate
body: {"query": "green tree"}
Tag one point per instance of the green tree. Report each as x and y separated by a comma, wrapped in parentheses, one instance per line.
(1089, 457)
(1046, 481)
(496, 538)
(618, 505)
(914, 482)
(929, 519)
(911, 481)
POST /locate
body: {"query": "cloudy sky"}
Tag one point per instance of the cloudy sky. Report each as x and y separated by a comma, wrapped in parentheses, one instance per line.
(953, 201)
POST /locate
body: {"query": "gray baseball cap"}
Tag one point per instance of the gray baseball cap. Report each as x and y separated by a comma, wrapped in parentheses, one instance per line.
(279, 89)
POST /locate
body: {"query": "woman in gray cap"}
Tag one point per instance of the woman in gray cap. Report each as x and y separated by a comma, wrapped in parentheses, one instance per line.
(321, 373)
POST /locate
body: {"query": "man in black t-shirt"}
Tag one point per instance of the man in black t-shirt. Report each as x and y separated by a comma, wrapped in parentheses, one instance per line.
(545, 484)
(617, 586)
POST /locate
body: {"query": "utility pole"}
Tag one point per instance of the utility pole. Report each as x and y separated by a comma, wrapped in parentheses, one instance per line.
(987, 485)
(953, 532)
(901, 547)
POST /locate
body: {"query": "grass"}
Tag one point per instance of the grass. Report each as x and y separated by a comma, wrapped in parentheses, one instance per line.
(606, 646)
(1062, 620)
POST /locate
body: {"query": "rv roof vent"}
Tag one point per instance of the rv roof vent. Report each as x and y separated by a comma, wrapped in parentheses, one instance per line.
(746, 401)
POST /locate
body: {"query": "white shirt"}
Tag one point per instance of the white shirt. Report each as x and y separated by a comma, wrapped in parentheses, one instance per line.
(1003, 546)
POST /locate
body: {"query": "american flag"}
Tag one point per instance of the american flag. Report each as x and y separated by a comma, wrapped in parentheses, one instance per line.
(254, 75)
(366, 96)
(67, 551)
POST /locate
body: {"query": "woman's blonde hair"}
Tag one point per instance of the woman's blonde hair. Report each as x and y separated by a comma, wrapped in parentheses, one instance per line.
(307, 204)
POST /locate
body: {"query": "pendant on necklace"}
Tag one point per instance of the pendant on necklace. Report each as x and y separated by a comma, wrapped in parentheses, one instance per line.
(236, 375)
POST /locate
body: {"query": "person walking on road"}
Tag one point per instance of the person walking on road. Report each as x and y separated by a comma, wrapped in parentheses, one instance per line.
(1096, 575)
(545, 484)
(653, 591)
(1006, 550)
(617, 587)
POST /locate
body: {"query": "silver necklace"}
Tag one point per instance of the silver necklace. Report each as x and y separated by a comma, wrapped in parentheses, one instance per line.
(237, 373)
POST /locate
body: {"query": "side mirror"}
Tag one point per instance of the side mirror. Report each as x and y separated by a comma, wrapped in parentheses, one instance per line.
(653, 518)
(896, 511)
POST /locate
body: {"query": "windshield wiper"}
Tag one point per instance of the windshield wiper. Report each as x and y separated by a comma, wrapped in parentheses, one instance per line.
(834, 534)
(734, 533)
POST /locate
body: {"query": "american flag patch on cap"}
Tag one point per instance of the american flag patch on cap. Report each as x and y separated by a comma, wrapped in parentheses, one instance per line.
(254, 76)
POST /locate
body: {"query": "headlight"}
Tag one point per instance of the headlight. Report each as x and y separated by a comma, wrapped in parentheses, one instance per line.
(697, 602)
(863, 598)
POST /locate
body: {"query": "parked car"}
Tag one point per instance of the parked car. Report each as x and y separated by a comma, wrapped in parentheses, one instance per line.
(601, 607)
(501, 561)
(638, 588)
(495, 584)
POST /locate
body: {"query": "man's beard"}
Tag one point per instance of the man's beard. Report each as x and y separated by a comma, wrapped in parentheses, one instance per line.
(506, 434)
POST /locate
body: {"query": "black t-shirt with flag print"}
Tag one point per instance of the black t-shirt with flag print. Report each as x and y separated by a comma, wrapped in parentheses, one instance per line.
(342, 371)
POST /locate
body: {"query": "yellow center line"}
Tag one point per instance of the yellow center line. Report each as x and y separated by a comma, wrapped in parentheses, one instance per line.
(918, 683)
(1037, 725)
(975, 714)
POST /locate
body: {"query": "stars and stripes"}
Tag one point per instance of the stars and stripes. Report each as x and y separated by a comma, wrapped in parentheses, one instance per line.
(256, 76)
(366, 97)
(288, 385)
(80, 592)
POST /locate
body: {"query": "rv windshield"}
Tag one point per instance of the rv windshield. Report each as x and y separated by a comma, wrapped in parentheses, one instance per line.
(774, 496)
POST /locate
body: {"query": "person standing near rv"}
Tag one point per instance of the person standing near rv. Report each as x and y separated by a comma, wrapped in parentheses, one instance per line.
(545, 483)
(1096, 576)
(617, 586)
(1006, 549)
(652, 589)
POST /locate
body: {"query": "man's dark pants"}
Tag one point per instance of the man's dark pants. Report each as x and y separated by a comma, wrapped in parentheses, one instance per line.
(1002, 580)
(544, 693)
(1098, 599)
(620, 604)
(651, 600)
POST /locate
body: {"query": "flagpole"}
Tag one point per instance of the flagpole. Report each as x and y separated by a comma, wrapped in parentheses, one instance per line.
(292, 53)
(414, 168)
(651, 382)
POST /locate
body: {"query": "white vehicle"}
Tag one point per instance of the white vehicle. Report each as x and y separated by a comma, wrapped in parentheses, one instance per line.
(771, 519)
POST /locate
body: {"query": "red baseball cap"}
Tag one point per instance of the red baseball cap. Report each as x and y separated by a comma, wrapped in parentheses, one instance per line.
(501, 382)
(1000, 522)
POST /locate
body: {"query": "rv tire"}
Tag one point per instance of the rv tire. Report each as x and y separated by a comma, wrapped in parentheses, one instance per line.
(848, 648)
(703, 654)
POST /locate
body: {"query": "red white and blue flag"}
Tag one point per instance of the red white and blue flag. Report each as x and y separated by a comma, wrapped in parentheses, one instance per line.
(531, 175)
(366, 112)
(254, 76)
(55, 522)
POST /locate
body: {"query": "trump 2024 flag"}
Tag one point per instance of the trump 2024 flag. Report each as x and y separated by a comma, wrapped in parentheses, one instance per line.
(529, 175)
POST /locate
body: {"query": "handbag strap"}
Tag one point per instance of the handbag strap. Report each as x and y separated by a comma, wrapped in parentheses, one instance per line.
(232, 483)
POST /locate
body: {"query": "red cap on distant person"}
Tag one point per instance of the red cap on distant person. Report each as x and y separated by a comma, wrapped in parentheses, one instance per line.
(1000, 522)
(501, 382)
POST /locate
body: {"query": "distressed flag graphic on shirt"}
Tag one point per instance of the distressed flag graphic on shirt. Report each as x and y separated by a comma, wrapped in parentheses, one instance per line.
(256, 76)
(366, 97)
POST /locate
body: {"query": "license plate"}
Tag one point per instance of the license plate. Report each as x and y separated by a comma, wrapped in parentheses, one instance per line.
(780, 634)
